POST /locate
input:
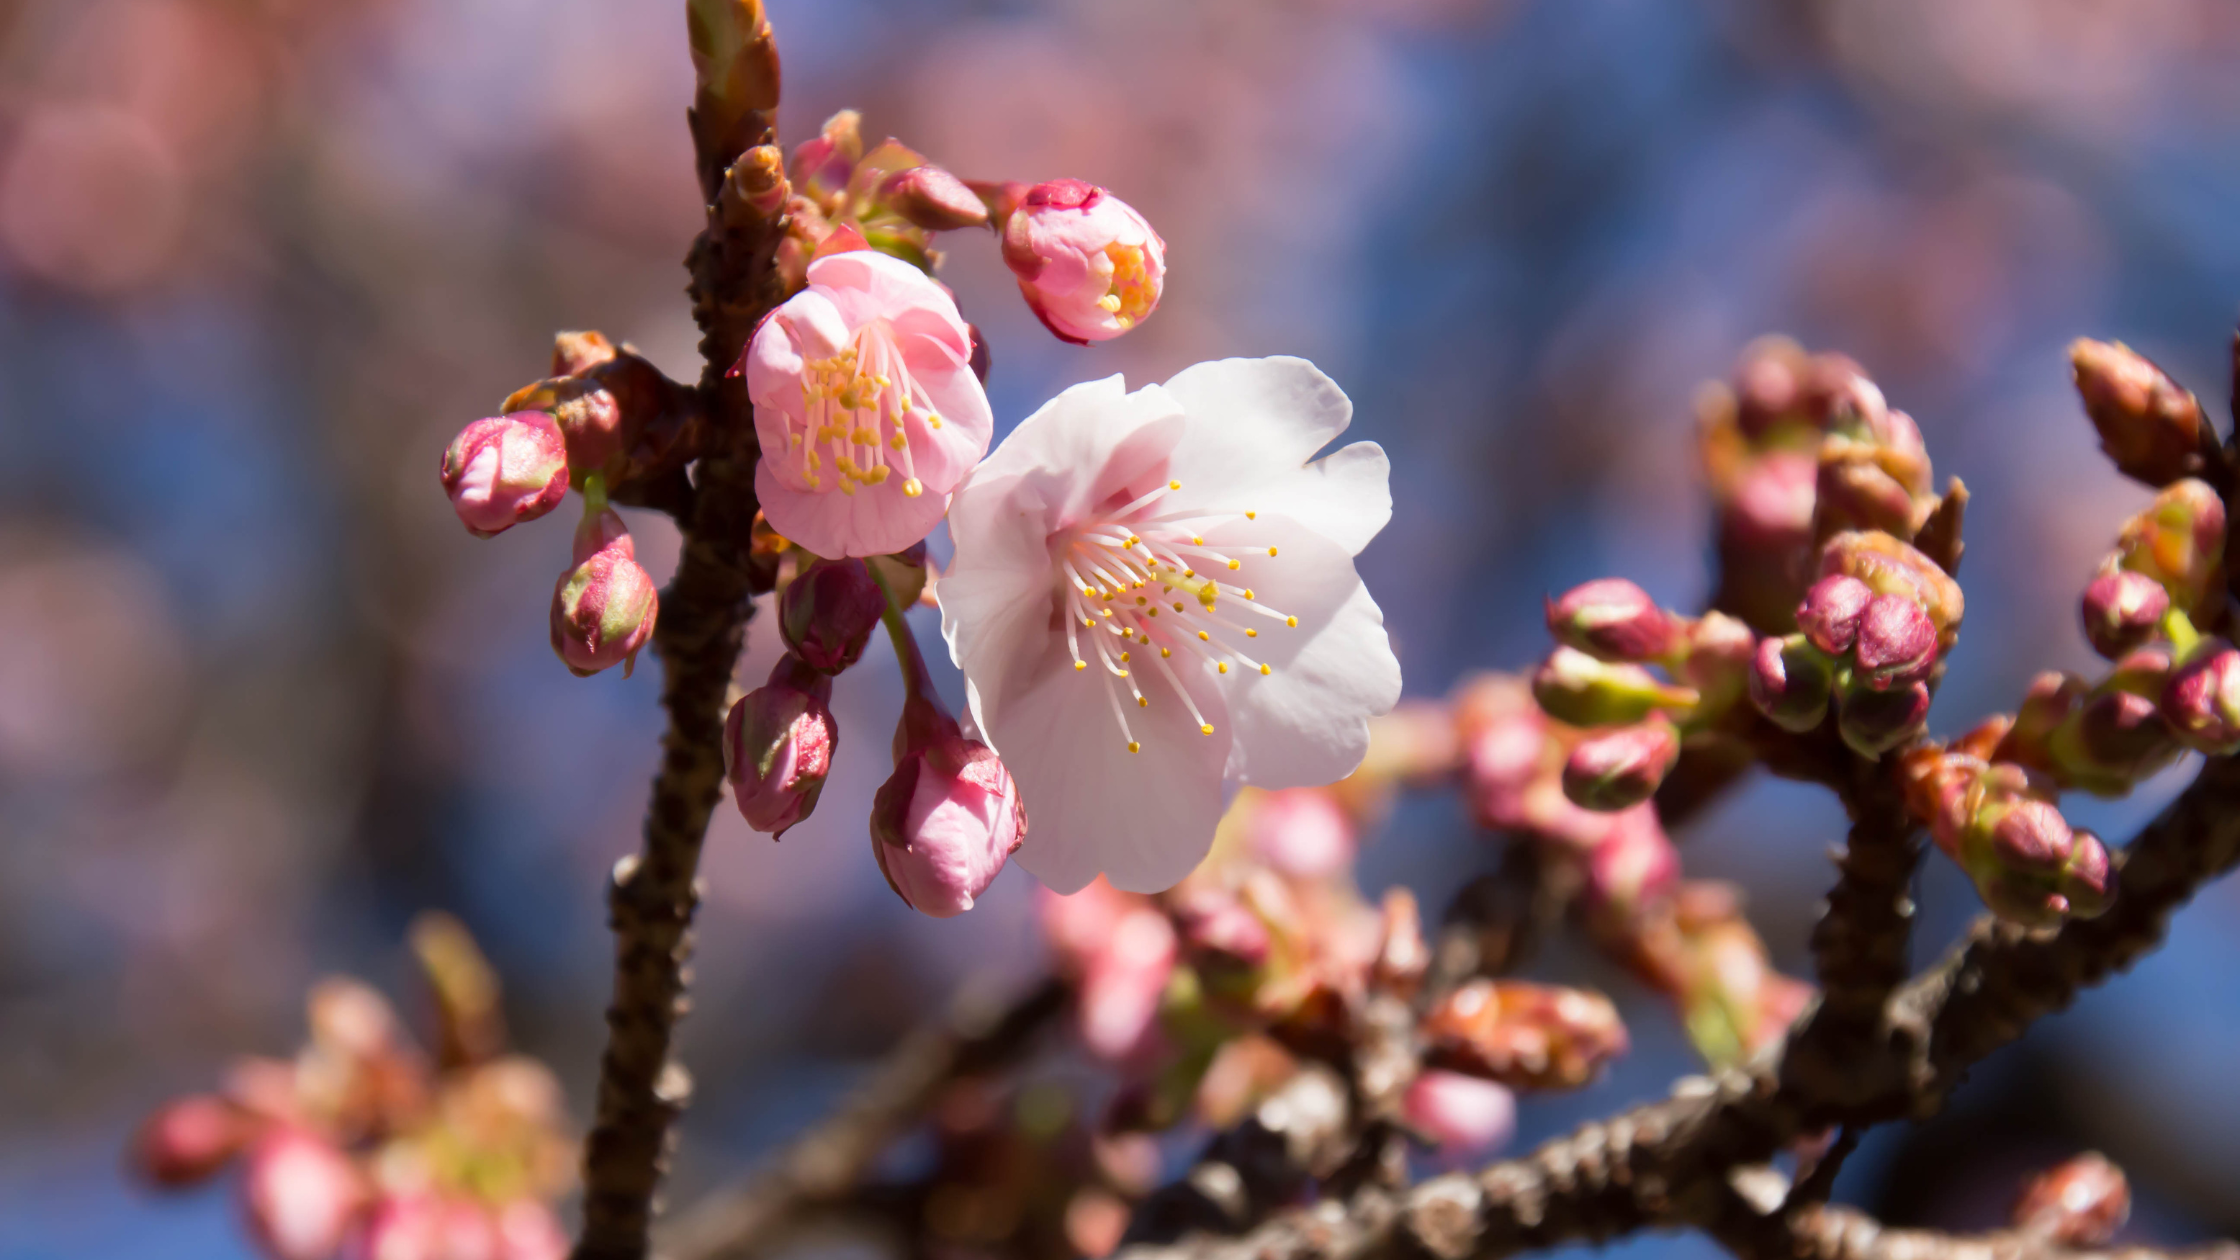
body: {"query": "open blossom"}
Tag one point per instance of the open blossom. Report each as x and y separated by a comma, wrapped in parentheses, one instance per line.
(1089, 265)
(866, 405)
(1154, 599)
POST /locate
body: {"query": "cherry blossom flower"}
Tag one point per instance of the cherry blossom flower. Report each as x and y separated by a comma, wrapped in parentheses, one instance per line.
(866, 405)
(1089, 265)
(1154, 600)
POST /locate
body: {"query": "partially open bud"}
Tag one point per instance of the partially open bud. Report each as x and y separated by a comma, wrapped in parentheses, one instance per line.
(504, 470)
(1874, 722)
(1465, 1116)
(1829, 615)
(1089, 266)
(777, 747)
(1891, 567)
(946, 821)
(827, 613)
(2081, 1203)
(2122, 611)
(603, 609)
(822, 165)
(302, 1195)
(1617, 769)
(2150, 426)
(1790, 681)
(1576, 688)
(2202, 700)
(933, 199)
(1615, 620)
(187, 1140)
(1527, 1036)
(2179, 542)
(1897, 643)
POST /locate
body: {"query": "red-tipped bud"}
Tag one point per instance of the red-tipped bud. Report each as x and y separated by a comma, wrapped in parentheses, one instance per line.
(1090, 267)
(1615, 620)
(1790, 681)
(2027, 863)
(603, 609)
(778, 745)
(828, 612)
(2116, 739)
(1527, 1036)
(1716, 658)
(822, 165)
(1874, 722)
(1829, 615)
(946, 821)
(1617, 769)
(302, 1196)
(1897, 642)
(187, 1140)
(505, 470)
(2081, 1203)
(2202, 700)
(1891, 567)
(933, 199)
(2149, 425)
(1576, 688)
(1466, 1117)
(2122, 611)
(1771, 507)
(2179, 542)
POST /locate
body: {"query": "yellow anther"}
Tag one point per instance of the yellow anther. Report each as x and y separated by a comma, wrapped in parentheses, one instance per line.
(1292, 622)
(1123, 658)
(933, 420)
(1265, 670)
(1236, 564)
(847, 487)
(1204, 637)
(1251, 633)
(1132, 540)
(912, 488)
(1143, 702)
(1178, 605)
(1125, 322)
(1189, 573)
(1123, 673)
(1081, 664)
(899, 442)
(1144, 639)
(1271, 551)
(1223, 666)
(1154, 612)
(1205, 728)
(1174, 485)
(1248, 592)
(1165, 652)
(1133, 746)
(1142, 600)
(902, 407)
(865, 436)
(1252, 516)
(1197, 541)
(878, 476)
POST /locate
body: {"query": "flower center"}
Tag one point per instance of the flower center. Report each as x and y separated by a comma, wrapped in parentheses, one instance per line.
(858, 406)
(1128, 296)
(1142, 586)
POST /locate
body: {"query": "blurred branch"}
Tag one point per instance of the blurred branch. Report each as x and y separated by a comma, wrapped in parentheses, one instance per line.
(826, 1166)
(1827, 1232)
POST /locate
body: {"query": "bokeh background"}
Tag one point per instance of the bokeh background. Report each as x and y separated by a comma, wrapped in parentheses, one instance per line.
(262, 699)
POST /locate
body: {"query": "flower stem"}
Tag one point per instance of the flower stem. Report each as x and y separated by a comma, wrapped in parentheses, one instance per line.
(916, 681)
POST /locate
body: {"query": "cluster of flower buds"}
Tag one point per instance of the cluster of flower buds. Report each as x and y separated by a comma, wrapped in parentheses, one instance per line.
(1801, 447)
(1871, 636)
(1526, 1036)
(361, 1147)
(1608, 633)
(2000, 822)
(2077, 1204)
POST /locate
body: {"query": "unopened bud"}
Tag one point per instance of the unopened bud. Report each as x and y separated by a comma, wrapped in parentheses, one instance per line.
(827, 613)
(2150, 426)
(1402, 955)
(1770, 510)
(575, 353)
(301, 1195)
(1874, 722)
(1790, 681)
(2122, 611)
(2117, 739)
(2029, 866)
(603, 609)
(1526, 1036)
(1633, 867)
(2202, 699)
(1615, 620)
(1829, 615)
(1220, 931)
(2179, 542)
(1891, 567)
(946, 821)
(504, 470)
(1576, 688)
(1617, 769)
(187, 1140)
(2052, 699)
(1464, 1116)
(2081, 1203)
(933, 199)
(1897, 643)
(1716, 658)
(1090, 267)
(1856, 489)
(777, 747)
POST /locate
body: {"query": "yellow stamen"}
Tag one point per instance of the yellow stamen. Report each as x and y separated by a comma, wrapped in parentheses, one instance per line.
(1133, 746)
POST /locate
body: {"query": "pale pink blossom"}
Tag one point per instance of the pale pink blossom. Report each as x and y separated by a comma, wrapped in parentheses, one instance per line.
(1124, 982)
(302, 1195)
(866, 405)
(1466, 1115)
(943, 825)
(1089, 266)
(1153, 600)
(1301, 832)
(506, 469)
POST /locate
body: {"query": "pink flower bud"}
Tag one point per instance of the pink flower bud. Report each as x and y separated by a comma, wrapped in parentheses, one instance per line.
(1874, 722)
(504, 470)
(603, 609)
(1897, 642)
(1467, 1117)
(1089, 266)
(822, 164)
(827, 613)
(2081, 1203)
(187, 1140)
(2179, 541)
(1771, 508)
(1575, 688)
(1790, 681)
(1124, 982)
(2122, 611)
(2202, 700)
(933, 199)
(1221, 931)
(1829, 615)
(1615, 620)
(1856, 488)
(1634, 866)
(1527, 1036)
(2118, 738)
(2150, 427)
(1716, 658)
(945, 823)
(2029, 866)
(778, 745)
(1618, 769)
(302, 1195)
(1301, 832)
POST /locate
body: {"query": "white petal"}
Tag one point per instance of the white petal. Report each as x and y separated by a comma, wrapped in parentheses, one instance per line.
(1254, 413)
(1307, 722)
(997, 595)
(1086, 442)
(1144, 819)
